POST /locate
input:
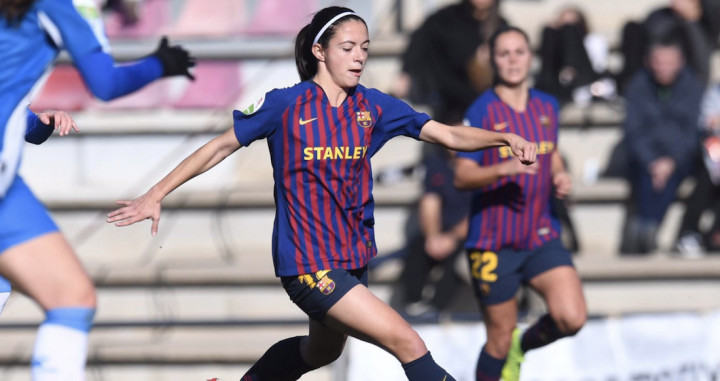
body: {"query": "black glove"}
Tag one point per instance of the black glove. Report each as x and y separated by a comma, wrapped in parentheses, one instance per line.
(175, 60)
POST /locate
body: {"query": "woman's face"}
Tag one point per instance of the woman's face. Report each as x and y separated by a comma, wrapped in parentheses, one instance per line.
(347, 53)
(512, 58)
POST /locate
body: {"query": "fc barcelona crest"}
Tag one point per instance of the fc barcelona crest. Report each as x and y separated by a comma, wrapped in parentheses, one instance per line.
(545, 121)
(364, 119)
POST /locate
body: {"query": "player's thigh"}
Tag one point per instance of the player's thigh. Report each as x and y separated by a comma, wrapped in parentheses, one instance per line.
(362, 315)
(47, 269)
(562, 290)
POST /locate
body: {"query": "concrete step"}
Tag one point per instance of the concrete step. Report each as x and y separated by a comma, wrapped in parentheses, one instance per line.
(97, 170)
(213, 238)
(165, 372)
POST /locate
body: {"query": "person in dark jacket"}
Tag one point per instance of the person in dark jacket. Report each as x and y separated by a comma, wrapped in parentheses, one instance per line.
(696, 25)
(446, 64)
(661, 139)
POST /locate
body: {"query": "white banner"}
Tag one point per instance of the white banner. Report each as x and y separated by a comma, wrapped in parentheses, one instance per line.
(667, 347)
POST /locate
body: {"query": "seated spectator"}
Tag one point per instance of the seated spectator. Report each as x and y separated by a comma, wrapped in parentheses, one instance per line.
(692, 241)
(661, 138)
(440, 226)
(129, 10)
(446, 64)
(696, 23)
(573, 60)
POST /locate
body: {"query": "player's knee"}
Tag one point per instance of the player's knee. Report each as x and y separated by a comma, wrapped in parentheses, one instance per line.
(321, 354)
(570, 323)
(85, 296)
(407, 345)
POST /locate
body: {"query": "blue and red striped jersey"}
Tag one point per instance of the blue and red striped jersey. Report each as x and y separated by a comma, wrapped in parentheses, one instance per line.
(321, 166)
(514, 212)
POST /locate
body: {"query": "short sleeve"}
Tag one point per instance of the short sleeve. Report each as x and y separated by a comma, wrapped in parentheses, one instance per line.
(259, 120)
(397, 118)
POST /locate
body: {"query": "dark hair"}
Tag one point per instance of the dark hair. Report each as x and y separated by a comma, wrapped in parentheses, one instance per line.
(665, 42)
(493, 41)
(14, 10)
(305, 61)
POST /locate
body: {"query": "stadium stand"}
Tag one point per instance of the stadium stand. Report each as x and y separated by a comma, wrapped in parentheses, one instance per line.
(219, 89)
(277, 17)
(154, 20)
(198, 20)
(64, 90)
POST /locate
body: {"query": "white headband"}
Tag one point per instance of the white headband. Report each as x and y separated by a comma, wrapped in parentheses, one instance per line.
(332, 20)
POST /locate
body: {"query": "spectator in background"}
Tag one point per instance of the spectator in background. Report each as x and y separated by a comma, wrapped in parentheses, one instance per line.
(692, 241)
(435, 238)
(129, 10)
(446, 64)
(696, 23)
(573, 60)
(661, 138)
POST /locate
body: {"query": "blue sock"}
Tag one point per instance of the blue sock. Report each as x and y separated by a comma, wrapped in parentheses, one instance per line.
(60, 347)
(488, 368)
(425, 369)
(542, 333)
(282, 362)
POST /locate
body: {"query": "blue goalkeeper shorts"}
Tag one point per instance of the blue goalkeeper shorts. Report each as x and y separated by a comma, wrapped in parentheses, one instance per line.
(22, 216)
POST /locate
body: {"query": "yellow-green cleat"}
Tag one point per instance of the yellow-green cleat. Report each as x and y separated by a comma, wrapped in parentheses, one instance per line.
(515, 357)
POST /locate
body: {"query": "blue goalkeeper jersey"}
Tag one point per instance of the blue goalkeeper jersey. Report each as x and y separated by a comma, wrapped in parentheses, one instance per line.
(321, 166)
(28, 49)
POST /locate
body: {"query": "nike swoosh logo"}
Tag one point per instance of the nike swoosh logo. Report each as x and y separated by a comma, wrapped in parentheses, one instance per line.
(304, 122)
(500, 126)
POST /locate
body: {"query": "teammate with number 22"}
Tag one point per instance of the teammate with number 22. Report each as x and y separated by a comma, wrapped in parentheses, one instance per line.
(513, 237)
(321, 134)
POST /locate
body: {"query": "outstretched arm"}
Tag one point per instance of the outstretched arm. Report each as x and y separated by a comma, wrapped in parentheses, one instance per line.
(83, 37)
(462, 138)
(148, 205)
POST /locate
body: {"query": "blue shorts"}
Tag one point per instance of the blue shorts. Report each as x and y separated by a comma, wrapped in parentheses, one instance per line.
(496, 277)
(22, 216)
(316, 293)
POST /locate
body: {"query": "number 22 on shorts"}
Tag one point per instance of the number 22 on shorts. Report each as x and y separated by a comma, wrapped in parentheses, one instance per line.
(484, 265)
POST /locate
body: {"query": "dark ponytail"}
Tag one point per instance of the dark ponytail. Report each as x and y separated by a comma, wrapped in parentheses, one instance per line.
(305, 61)
(14, 10)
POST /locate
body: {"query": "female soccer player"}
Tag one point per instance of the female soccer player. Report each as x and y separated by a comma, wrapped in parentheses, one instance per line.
(33, 253)
(321, 134)
(512, 237)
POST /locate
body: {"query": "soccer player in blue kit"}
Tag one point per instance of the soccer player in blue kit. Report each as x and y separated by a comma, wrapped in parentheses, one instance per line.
(513, 238)
(33, 253)
(321, 134)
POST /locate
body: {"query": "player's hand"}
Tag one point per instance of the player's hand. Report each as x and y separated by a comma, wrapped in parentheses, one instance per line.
(563, 184)
(175, 60)
(60, 120)
(524, 150)
(440, 246)
(141, 208)
(514, 167)
(660, 171)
